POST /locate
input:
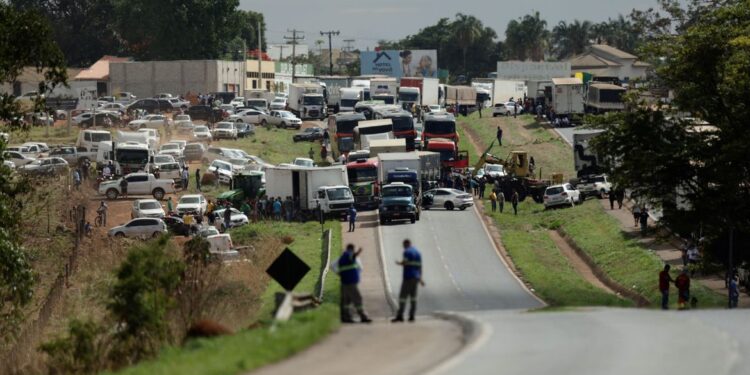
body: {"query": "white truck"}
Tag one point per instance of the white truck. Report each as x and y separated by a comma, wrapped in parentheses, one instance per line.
(363, 84)
(460, 95)
(137, 137)
(138, 184)
(306, 101)
(502, 90)
(398, 161)
(586, 162)
(567, 96)
(349, 97)
(385, 89)
(419, 91)
(258, 98)
(324, 187)
(332, 86)
(368, 139)
(386, 146)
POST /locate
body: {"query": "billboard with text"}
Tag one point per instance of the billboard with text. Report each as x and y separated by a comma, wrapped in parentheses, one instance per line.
(395, 63)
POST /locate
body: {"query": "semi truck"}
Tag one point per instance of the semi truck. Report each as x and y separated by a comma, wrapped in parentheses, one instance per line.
(385, 89)
(363, 181)
(306, 101)
(403, 123)
(400, 177)
(567, 97)
(429, 168)
(502, 90)
(349, 97)
(332, 90)
(460, 95)
(419, 91)
(324, 188)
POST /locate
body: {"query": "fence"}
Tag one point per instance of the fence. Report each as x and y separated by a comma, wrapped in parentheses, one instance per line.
(24, 350)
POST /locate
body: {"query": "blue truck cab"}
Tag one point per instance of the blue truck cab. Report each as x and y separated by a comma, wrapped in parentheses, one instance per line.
(397, 202)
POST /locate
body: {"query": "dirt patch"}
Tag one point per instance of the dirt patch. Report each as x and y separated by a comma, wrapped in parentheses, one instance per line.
(578, 263)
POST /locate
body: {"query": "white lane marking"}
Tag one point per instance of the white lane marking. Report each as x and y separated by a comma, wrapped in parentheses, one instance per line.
(497, 252)
(479, 333)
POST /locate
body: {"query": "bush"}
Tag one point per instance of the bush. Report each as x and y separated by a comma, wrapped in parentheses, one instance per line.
(82, 351)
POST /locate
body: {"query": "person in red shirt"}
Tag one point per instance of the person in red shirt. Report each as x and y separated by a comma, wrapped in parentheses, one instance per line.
(664, 281)
(683, 289)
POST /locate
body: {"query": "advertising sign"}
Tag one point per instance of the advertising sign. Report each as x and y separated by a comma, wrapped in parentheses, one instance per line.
(405, 63)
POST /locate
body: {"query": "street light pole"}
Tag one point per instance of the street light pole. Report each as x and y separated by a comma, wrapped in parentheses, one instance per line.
(330, 49)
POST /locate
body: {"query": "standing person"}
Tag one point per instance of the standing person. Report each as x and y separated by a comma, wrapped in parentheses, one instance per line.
(644, 221)
(636, 214)
(514, 201)
(349, 268)
(499, 136)
(77, 178)
(352, 214)
(124, 187)
(277, 209)
(664, 281)
(474, 186)
(620, 195)
(412, 263)
(169, 205)
(198, 178)
(482, 186)
(683, 289)
(227, 216)
(515, 110)
(102, 210)
(311, 153)
(734, 292)
(612, 198)
(185, 178)
(493, 201)
(289, 208)
(479, 108)
(500, 200)
(326, 138)
(210, 207)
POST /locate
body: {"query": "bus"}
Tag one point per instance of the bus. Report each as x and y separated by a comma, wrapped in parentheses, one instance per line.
(403, 123)
(439, 125)
(341, 126)
(371, 127)
(367, 107)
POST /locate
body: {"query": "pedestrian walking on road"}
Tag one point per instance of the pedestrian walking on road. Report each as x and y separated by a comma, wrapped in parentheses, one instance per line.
(612, 199)
(198, 179)
(683, 289)
(185, 178)
(636, 214)
(412, 263)
(352, 213)
(514, 201)
(499, 136)
(664, 281)
(493, 201)
(349, 268)
(620, 196)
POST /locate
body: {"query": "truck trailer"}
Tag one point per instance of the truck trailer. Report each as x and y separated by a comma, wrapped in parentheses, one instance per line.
(419, 91)
(326, 188)
(567, 96)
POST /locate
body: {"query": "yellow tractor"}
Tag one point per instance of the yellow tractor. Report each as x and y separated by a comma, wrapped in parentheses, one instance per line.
(518, 175)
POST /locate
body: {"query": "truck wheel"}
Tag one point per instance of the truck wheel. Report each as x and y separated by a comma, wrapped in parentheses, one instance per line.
(449, 206)
(158, 194)
(112, 194)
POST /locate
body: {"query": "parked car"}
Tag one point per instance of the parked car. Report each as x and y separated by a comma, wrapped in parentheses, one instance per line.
(146, 208)
(493, 171)
(193, 151)
(150, 121)
(446, 198)
(87, 121)
(201, 133)
(17, 158)
(598, 186)
(53, 166)
(238, 101)
(169, 171)
(205, 113)
(224, 169)
(250, 116)
(176, 226)
(151, 105)
(181, 117)
(178, 103)
(171, 149)
(282, 119)
(237, 218)
(191, 204)
(138, 184)
(141, 227)
(207, 231)
(499, 109)
(304, 162)
(244, 129)
(115, 107)
(224, 130)
(73, 155)
(561, 195)
(184, 126)
(278, 104)
(309, 134)
(125, 97)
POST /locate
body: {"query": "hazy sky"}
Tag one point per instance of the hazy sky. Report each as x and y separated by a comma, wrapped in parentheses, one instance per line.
(367, 21)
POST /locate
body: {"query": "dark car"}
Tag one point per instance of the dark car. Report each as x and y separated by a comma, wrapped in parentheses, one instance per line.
(309, 134)
(176, 226)
(100, 119)
(244, 129)
(151, 105)
(205, 113)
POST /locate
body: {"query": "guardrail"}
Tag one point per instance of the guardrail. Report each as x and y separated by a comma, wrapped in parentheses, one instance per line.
(325, 264)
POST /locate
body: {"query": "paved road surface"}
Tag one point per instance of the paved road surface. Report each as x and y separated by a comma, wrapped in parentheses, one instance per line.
(461, 267)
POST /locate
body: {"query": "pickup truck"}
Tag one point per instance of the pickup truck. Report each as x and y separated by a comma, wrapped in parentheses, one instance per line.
(73, 155)
(138, 184)
(596, 185)
(397, 203)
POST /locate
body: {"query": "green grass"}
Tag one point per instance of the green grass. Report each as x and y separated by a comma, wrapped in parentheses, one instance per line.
(254, 348)
(53, 136)
(274, 146)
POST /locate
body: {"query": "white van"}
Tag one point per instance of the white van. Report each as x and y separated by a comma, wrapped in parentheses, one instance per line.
(90, 139)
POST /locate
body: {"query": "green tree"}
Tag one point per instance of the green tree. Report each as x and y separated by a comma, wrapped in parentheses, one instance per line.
(82, 351)
(620, 33)
(527, 38)
(699, 178)
(25, 40)
(466, 30)
(247, 22)
(570, 39)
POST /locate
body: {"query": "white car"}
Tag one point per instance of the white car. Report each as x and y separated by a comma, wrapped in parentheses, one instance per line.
(163, 159)
(42, 147)
(170, 149)
(180, 142)
(201, 133)
(250, 116)
(146, 208)
(178, 103)
(17, 158)
(494, 171)
(304, 162)
(447, 198)
(435, 108)
(141, 227)
(283, 119)
(499, 109)
(237, 218)
(192, 203)
(9, 164)
(181, 118)
(278, 104)
(153, 135)
(107, 106)
(561, 195)
(225, 170)
(224, 130)
(163, 95)
(238, 101)
(150, 121)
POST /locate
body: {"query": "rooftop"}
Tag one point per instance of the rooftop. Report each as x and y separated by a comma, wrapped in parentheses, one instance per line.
(612, 51)
(100, 70)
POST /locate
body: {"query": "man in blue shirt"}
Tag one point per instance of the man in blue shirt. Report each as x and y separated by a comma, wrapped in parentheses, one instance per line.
(349, 269)
(352, 213)
(412, 263)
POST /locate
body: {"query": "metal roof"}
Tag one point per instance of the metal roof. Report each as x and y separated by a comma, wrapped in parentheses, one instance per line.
(567, 81)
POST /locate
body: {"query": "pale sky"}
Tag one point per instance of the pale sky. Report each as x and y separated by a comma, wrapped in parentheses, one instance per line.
(367, 21)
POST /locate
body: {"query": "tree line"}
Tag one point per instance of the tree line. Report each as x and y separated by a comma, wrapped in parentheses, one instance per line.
(85, 30)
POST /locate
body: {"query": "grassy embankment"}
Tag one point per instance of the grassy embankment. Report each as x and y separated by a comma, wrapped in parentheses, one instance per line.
(589, 226)
(267, 343)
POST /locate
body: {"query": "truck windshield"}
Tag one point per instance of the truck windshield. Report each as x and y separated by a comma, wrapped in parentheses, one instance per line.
(400, 191)
(401, 124)
(408, 96)
(362, 174)
(610, 96)
(339, 194)
(99, 137)
(312, 100)
(132, 157)
(349, 103)
(346, 126)
(440, 127)
(256, 103)
(388, 99)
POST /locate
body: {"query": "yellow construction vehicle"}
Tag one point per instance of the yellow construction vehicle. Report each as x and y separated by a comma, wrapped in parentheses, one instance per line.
(518, 175)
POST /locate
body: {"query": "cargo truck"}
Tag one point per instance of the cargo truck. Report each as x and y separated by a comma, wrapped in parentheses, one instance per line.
(384, 126)
(586, 162)
(306, 101)
(363, 181)
(604, 97)
(322, 188)
(429, 169)
(385, 89)
(418, 91)
(386, 146)
(460, 95)
(400, 177)
(342, 126)
(567, 97)
(349, 97)
(332, 90)
(403, 123)
(502, 90)
(398, 160)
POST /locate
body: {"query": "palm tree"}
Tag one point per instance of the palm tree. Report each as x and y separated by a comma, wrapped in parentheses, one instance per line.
(571, 39)
(467, 29)
(527, 38)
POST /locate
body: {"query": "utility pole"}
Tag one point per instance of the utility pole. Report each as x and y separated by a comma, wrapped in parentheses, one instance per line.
(281, 51)
(294, 38)
(330, 49)
(260, 57)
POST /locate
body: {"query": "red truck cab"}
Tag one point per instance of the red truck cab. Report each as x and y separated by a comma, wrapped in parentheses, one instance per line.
(450, 156)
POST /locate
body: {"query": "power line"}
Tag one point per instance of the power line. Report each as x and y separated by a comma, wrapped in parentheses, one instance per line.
(330, 49)
(294, 39)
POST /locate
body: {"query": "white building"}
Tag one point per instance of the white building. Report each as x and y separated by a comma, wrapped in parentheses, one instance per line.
(602, 60)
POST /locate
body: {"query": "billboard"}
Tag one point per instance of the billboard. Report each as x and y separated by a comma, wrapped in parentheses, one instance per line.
(395, 63)
(532, 71)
